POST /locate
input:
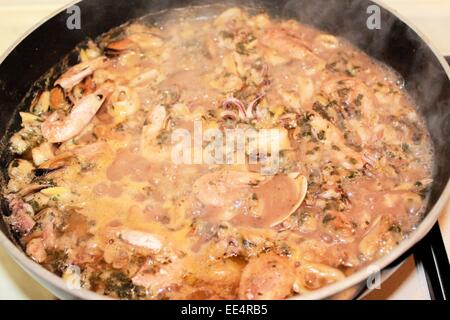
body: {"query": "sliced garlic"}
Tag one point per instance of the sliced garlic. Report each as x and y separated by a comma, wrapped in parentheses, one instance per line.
(55, 191)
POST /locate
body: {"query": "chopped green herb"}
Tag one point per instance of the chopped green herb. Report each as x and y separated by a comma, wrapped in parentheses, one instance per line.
(335, 147)
(328, 218)
(321, 135)
(395, 228)
(119, 284)
(240, 48)
(358, 101)
(248, 244)
(226, 34)
(342, 93)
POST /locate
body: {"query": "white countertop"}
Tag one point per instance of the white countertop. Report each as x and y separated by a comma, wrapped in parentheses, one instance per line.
(432, 17)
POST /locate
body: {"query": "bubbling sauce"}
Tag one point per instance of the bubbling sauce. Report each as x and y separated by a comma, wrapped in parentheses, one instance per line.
(95, 188)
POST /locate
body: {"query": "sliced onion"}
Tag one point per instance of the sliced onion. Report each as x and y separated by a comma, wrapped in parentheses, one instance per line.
(228, 114)
(235, 103)
(250, 112)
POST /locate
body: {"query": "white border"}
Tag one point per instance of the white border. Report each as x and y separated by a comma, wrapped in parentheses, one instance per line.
(47, 278)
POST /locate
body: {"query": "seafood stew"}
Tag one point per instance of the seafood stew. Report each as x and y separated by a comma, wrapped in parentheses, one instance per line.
(96, 197)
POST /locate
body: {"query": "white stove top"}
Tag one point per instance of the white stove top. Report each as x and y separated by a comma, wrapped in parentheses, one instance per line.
(431, 16)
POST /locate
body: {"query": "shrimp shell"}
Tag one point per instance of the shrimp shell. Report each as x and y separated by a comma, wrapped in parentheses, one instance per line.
(56, 130)
(77, 73)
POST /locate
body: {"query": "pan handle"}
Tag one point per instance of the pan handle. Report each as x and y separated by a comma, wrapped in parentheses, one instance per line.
(432, 255)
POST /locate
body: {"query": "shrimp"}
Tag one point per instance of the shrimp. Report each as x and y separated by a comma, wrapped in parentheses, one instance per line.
(267, 277)
(57, 130)
(77, 73)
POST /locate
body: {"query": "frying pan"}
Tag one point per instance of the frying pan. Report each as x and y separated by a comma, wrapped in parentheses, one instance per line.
(396, 43)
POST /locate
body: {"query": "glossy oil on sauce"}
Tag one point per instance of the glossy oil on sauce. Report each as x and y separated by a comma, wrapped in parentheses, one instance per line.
(112, 202)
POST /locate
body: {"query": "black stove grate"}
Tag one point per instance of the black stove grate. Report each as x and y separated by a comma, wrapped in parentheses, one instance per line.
(432, 255)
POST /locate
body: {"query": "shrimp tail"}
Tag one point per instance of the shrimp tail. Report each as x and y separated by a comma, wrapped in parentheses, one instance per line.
(77, 73)
(56, 130)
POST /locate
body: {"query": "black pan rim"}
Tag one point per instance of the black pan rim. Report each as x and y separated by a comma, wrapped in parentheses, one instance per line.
(51, 280)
